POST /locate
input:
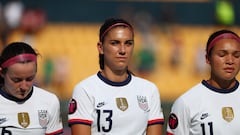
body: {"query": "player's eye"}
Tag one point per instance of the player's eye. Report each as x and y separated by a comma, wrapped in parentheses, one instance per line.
(114, 42)
(30, 78)
(129, 42)
(16, 80)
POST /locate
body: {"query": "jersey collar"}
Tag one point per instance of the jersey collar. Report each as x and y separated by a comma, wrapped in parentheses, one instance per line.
(114, 83)
(204, 82)
(10, 97)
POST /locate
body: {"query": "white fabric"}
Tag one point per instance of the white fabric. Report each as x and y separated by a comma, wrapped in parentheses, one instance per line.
(42, 108)
(207, 109)
(97, 99)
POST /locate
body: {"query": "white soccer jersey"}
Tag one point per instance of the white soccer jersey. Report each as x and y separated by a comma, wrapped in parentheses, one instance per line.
(205, 110)
(125, 108)
(38, 115)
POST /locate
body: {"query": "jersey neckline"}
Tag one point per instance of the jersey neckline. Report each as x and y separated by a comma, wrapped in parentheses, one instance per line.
(109, 82)
(12, 98)
(205, 83)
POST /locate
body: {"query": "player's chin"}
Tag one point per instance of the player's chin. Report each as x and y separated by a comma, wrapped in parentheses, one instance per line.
(20, 96)
(121, 67)
(230, 77)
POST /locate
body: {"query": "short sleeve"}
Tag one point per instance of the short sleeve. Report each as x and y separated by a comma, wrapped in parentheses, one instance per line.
(80, 107)
(179, 119)
(54, 126)
(156, 113)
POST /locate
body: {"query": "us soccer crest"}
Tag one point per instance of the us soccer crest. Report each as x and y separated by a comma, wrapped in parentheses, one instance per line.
(43, 117)
(23, 119)
(142, 102)
(227, 114)
(122, 103)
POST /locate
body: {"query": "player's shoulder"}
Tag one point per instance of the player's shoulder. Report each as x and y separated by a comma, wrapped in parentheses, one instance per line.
(142, 81)
(144, 84)
(194, 90)
(43, 93)
(88, 80)
(192, 94)
(44, 97)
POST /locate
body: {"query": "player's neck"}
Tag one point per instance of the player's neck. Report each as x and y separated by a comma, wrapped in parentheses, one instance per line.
(114, 76)
(222, 84)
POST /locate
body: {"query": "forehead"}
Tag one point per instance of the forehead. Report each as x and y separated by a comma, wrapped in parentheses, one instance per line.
(120, 31)
(227, 44)
(23, 68)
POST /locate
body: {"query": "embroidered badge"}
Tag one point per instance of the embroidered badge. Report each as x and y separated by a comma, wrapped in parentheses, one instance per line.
(227, 114)
(173, 121)
(72, 106)
(23, 119)
(43, 117)
(142, 102)
(122, 103)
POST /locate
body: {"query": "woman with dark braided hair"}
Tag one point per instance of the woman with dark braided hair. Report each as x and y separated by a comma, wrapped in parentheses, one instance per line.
(114, 101)
(25, 108)
(212, 107)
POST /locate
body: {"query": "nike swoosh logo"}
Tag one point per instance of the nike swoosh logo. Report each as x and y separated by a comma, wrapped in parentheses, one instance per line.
(2, 120)
(100, 104)
(205, 115)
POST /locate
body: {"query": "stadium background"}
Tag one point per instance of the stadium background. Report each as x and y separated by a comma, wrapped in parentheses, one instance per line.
(172, 33)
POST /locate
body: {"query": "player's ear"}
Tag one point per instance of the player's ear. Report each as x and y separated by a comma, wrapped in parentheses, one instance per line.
(207, 59)
(100, 47)
(1, 72)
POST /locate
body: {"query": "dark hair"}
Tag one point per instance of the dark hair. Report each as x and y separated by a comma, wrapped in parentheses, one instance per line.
(109, 23)
(213, 36)
(105, 28)
(14, 49)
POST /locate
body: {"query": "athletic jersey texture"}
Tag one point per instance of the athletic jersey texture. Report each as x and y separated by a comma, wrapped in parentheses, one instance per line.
(205, 110)
(38, 115)
(125, 108)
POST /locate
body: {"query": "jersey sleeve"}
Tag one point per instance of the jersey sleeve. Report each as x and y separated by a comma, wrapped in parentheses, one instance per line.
(156, 113)
(55, 126)
(179, 119)
(80, 107)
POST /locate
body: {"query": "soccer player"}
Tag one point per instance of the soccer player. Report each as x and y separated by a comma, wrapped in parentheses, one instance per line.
(114, 101)
(212, 107)
(24, 108)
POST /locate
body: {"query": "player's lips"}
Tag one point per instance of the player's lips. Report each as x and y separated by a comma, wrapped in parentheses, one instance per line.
(122, 58)
(23, 92)
(229, 69)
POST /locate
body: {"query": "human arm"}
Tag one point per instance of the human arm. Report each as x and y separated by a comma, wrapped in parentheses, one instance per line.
(156, 118)
(79, 117)
(178, 121)
(55, 126)
(80, 129)
(154, 129)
